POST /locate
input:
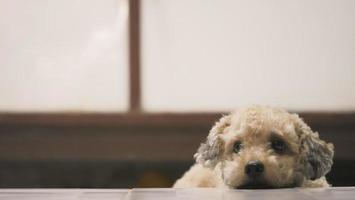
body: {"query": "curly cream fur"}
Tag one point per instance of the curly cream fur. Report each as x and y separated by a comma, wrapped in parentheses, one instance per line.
(304, 164)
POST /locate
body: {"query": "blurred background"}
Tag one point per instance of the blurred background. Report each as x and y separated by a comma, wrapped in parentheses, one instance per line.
(120, 93)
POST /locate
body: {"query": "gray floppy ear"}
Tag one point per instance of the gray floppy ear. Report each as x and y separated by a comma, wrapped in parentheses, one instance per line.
(208, 154)
(316, 154)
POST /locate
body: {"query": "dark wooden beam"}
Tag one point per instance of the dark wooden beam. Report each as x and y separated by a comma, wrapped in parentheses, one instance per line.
(160, 136)
(107, 120)
(154, 119)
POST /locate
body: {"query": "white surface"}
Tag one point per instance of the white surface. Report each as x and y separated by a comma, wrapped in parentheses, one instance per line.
(178, 194)
(207, 55)
(63, 194)
(66, 55)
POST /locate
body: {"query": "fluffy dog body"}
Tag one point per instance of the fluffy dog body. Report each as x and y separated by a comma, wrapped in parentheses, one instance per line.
(260, 147)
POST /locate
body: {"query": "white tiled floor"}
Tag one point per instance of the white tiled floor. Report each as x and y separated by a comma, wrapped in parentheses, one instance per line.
(337, 193)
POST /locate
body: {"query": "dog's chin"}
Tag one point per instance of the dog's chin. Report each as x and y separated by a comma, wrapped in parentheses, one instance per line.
(255, 185)
(262, 185)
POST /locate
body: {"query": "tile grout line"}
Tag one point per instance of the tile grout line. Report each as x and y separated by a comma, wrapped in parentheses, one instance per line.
(128, 195)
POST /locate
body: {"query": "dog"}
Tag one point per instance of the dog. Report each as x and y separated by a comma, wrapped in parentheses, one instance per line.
(260, 147)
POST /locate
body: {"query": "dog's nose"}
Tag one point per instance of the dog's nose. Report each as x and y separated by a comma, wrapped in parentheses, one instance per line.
(254, 169)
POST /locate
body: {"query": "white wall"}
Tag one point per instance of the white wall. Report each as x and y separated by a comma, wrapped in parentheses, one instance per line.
(207, 55)
(63, 55)
(197, 55)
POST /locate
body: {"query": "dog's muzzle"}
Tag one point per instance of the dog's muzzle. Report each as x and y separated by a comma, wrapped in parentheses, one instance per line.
(254, 169)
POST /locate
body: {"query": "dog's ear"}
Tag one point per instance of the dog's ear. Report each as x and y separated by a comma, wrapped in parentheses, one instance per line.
(208, 154)
(316, 154)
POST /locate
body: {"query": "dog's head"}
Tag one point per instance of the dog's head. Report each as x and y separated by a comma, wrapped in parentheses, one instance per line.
(264, 147)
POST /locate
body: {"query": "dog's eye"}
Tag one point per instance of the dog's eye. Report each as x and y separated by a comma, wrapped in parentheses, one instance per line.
(237, 146)
(278, 145)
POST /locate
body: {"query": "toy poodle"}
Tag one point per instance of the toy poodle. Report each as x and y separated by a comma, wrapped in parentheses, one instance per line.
(260, 147)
